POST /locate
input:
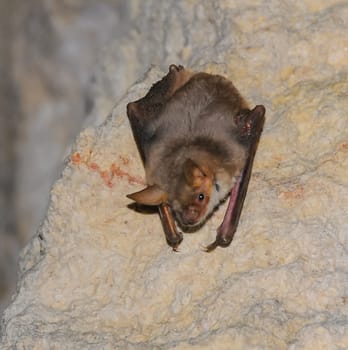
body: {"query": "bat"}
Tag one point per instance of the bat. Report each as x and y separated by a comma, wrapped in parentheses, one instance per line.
(197, 139)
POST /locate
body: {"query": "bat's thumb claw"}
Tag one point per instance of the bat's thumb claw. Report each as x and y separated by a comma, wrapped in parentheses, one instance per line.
(174, 242)
(220, 241)
(209, 248)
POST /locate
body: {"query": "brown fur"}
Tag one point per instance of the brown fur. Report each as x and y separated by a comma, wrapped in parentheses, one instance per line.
(193, 133)
(197, 123)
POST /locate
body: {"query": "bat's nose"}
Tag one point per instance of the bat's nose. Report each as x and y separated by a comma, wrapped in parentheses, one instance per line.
(191, 216)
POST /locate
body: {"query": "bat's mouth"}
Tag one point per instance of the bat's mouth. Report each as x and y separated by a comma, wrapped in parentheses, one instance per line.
(190, 217)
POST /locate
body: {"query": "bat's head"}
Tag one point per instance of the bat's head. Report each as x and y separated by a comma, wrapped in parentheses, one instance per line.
(189, 194)
(192, 195)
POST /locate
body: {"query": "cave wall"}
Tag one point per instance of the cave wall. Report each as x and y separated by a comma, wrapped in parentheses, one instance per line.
(99, 275)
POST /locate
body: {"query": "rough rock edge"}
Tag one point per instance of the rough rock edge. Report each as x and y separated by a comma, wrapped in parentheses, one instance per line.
(323, 327)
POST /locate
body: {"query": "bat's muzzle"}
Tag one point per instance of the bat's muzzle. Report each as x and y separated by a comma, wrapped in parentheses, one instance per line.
(191, 216)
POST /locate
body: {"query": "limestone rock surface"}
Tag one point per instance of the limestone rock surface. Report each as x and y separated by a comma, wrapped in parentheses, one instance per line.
(100, 276)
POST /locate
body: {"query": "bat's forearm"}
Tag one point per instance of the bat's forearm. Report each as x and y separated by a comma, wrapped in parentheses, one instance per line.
(173, 236)
(254, 125)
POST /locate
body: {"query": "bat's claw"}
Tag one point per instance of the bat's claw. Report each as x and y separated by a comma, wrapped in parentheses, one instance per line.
(209, 248)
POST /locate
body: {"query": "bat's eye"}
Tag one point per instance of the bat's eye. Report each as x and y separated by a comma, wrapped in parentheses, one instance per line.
(201, 197)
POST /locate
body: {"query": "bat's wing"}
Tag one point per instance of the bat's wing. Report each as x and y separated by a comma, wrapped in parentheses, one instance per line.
(251, 125)
(143, 111)
(140, 114)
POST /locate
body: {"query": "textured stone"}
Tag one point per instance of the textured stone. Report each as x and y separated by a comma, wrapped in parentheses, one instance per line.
(48, 49)
(55, 48)
(101, 276)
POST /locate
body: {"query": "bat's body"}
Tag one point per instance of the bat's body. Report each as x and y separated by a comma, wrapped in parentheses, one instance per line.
(197, 139)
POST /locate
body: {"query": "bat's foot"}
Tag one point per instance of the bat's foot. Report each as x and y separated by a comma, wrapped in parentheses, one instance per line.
(176, 78)
(251, 122)
(175, 68)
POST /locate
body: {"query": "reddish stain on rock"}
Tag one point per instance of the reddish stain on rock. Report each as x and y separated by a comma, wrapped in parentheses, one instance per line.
(108, 175)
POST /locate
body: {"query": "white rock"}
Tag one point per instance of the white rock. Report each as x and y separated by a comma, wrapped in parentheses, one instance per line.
(102, 276)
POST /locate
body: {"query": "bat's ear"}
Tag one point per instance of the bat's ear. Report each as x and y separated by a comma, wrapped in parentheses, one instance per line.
(151, 195)
(194, 174)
